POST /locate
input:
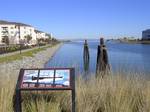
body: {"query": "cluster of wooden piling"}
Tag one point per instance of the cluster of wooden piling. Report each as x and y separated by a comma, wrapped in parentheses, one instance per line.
(102, 64)
(86, 56)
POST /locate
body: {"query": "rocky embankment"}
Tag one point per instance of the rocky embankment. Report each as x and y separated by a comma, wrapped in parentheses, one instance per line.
(11, 69)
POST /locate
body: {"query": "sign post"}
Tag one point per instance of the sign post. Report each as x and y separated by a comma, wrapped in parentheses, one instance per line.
(44, 79)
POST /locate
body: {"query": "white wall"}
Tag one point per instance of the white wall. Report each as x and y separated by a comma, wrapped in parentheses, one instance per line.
(41, 35)
(13, 33)
(26, 30)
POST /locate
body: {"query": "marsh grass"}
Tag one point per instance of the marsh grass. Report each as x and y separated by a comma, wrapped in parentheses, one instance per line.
(112, 93)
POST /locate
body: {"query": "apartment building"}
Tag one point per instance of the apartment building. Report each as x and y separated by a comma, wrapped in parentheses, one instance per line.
(40, 34)
(146, 34)
(16, 32)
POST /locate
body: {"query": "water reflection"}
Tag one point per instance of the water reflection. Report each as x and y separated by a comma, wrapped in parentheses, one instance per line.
(129, 57)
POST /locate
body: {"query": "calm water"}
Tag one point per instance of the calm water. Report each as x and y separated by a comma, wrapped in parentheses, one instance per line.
(133, 57)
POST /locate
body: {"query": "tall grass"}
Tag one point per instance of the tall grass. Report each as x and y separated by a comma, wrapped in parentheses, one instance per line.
(112, 93)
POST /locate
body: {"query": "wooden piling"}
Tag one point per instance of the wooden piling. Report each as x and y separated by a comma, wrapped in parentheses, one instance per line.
(86, 56)
(102, 65)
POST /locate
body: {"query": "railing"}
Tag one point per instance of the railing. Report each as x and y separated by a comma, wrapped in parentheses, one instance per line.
(16, 47)
(11, 48)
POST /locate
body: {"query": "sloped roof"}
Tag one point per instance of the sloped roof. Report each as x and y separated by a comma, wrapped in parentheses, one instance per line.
(2, 22)
(37, 31)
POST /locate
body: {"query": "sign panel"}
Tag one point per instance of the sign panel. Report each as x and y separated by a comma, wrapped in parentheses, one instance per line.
(46, 78)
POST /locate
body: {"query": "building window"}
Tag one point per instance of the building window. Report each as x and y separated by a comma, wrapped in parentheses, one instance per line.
(24, 32)
(11, 27)
(24, 27)
(5, 28)
(12, 32)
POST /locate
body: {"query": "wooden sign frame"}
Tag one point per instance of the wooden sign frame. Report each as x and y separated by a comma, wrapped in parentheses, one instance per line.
(20, 88)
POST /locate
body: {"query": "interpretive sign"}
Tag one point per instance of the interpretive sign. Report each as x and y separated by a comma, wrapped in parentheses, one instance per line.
(45, 79)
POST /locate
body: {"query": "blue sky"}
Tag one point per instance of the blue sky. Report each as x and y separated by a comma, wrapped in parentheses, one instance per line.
(81, 18)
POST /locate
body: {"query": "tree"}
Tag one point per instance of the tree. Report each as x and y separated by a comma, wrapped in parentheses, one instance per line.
(47, 40)
(5, 40)
(40, 40)
(49, 36)
(28, 38)
(54, 40)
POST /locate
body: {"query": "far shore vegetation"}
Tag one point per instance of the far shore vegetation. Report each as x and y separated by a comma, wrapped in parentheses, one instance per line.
(131, 40)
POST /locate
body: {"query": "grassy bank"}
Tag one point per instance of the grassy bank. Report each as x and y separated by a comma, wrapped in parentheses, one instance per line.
(19, 56)
(113, 93)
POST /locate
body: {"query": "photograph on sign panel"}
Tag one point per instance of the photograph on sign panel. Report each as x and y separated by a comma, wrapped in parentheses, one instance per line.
(31, 78)
(46, 77)
(62, 78)
(28, 76)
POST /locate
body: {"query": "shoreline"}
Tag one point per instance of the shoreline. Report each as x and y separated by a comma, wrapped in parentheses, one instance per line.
(44, 66)
(11, 69)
